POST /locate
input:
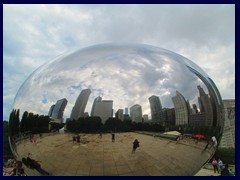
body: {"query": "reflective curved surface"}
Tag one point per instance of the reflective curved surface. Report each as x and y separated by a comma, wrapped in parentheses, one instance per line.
(149, 85)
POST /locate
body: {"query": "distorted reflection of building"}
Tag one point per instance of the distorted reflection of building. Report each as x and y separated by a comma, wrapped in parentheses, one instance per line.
(51, 110)
(205, 106)
(228, 137)
(181, 110)
(57, 110)
(156, 108)
(103, 109)
(170, 117)
(85, 114)
(215, 98)
(195, 109)
(136, 113)
(126, 110)
(145, 117)
(80, 104)
(97, 99)
(119, 114)
(197, 119)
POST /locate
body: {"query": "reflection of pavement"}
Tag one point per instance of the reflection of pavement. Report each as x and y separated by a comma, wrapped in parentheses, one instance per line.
(97, 156)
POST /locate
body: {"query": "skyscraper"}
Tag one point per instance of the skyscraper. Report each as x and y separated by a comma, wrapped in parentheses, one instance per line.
(57, 113)
(205, 106)
(156, 108)
(180, 107)
(80, 104)
(145, 118)
(103, 109)
(126, 110)
(228, 137)
(97, 99)
(51, 110)
(136, 113)
(119, 114)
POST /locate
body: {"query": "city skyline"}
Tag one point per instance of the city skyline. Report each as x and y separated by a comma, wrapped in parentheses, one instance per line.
(183, 112)
(214, 52)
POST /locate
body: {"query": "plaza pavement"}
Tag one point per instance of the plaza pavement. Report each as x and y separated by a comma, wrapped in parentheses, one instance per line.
(101, 157)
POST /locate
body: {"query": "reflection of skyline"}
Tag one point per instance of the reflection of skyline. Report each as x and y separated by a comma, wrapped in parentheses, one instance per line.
(133, 73)
(183, 112)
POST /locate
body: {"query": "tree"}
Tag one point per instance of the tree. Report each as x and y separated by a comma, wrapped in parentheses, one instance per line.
(23, 123)
(6, 147)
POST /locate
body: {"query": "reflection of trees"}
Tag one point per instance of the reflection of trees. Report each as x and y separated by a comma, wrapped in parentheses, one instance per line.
(93, 125)
(29, 122)
(34, 123)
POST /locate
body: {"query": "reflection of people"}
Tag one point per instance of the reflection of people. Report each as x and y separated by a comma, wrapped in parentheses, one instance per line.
(33, 164)
(74, 139)
(135, 145)
(214, 142)
(225, 171)
(113, 137)
(78, 139)
(215, 165)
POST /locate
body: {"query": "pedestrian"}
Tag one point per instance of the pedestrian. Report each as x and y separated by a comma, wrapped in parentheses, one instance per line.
(225, 171)
(220, 164)
(214, 142)
(100, 135)
(231, 172)
(215, 165)
(113, 137)
(78, 139)
(135, 145)
(74, 139)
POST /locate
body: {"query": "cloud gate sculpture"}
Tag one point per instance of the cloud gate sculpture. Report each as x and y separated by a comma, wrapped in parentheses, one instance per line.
(132, 91)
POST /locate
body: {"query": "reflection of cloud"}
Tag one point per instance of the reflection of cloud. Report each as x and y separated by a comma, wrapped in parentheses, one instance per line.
(127, 78)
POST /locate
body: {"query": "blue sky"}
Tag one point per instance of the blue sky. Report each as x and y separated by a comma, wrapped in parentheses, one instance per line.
(35, 34)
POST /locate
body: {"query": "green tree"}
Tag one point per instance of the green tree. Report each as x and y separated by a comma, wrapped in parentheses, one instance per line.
(6, 147)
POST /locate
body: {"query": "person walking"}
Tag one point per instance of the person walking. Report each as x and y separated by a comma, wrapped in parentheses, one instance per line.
(78, 139)
(215, 165)
(113, 137)
(220, 164)
(135, 145)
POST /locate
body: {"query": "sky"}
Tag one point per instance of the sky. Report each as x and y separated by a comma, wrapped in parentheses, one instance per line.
(35, 34)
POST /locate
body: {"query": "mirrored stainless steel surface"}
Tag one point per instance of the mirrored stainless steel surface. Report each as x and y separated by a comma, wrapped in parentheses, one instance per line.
(151, 85)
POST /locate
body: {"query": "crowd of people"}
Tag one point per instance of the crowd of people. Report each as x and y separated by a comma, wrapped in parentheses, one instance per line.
(13, 168)
(220, 168)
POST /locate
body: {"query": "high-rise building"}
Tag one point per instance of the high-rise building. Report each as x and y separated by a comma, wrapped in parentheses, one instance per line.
(59, 108)
(103, 109)
(228, 137)
(97, 99)
(136, 113)
(181, 110)
(156, 108)
(215, 98)
(145, 118)
(80, 104)
(195, 110)
(119, 114)
(51, 110)
(170, 117)
(126, 110)
(205, 106)
(197, 119)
